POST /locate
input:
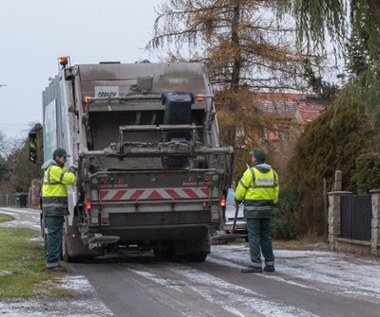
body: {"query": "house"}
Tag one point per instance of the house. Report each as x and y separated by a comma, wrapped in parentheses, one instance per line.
(303, 107)
(285, 116)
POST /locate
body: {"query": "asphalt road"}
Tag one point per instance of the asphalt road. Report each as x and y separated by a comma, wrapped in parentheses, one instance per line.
(307, 283)
(142, 286)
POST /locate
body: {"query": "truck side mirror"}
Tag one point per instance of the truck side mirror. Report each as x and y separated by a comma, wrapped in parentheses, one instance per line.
(33, 147)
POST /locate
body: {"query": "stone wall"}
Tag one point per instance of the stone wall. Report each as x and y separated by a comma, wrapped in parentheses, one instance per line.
(375, 222)
(334, 226)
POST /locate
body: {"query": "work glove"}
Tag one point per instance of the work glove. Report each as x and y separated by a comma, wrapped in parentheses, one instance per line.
(73, 169)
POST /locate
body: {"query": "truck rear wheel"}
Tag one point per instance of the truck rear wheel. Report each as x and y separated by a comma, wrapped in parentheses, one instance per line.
(83, 253)
(200, 257)
(42, 226)
(164, 251)
(65, 253)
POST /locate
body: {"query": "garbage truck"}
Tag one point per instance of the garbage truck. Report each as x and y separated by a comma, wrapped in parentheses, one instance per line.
(151, 169)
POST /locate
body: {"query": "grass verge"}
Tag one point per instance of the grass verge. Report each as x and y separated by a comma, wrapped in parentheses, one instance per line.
(4, 218)
(22, 266)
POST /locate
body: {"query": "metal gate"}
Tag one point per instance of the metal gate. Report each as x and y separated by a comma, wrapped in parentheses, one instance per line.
(356, 214)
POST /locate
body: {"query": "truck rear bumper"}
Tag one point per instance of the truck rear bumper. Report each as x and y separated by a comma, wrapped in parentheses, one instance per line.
(152, 233)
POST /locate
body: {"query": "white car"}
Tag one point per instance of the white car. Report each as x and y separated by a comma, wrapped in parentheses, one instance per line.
(230, 210)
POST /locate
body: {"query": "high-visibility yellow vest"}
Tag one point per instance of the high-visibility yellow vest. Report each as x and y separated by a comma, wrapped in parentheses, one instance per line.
(258, 185)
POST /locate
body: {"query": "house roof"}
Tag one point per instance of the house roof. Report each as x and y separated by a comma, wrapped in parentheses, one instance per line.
(307, 115)
(303, 107)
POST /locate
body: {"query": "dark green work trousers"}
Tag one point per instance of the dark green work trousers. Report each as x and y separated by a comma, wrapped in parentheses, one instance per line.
(53, 226)
(260, 239)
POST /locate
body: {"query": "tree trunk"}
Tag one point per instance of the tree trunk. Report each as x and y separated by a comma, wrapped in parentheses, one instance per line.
(236, 46)
(374, 7)
(236, 68)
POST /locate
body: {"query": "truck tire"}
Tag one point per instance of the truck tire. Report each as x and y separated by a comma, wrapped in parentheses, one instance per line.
(164, 252)
(83, 256)
(42, 226)
(199, 257)
(65, 253)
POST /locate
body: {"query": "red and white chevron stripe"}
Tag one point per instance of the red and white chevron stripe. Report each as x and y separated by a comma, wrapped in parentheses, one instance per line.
(154, 193)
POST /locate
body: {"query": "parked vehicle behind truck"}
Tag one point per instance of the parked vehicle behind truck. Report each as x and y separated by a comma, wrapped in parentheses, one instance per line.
(151, 170)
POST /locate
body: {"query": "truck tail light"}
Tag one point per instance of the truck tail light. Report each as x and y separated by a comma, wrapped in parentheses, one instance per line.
(199, 98)
(88, 205)
(223, 202)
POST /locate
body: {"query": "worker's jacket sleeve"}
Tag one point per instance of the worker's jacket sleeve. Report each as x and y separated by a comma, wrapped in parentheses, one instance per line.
(276, 190)
(61, 175)
(243, 186)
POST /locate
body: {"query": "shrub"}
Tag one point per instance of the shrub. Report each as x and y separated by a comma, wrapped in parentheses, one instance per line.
(283, 216)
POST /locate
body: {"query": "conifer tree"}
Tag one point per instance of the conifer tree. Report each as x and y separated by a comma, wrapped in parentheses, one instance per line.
(246, 51)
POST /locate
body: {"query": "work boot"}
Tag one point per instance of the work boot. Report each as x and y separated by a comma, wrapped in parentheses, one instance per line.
(269, 268)
(57, 268)
(252, 269)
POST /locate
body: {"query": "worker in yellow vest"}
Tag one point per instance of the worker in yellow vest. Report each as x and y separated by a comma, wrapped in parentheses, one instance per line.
(54, 204)
(258, 189)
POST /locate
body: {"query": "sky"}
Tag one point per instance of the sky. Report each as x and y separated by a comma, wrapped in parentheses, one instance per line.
(33, 34)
